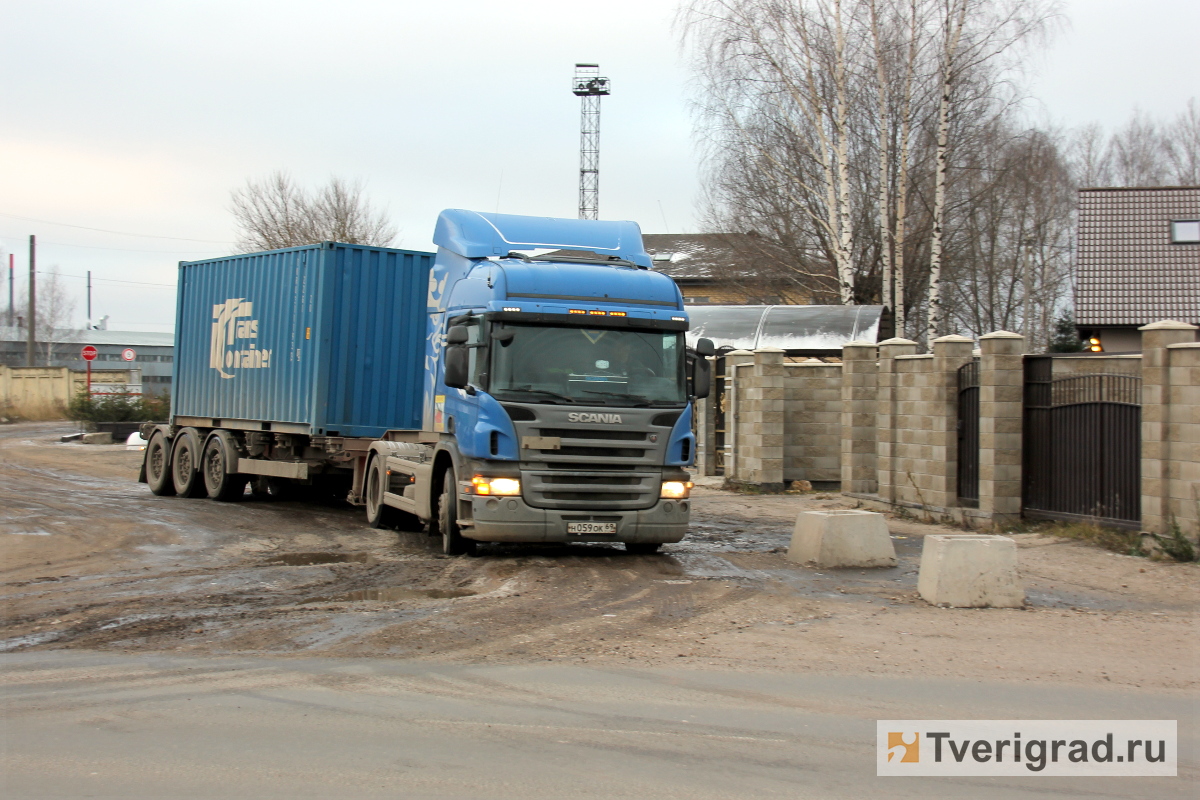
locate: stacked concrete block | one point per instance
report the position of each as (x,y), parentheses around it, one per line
(888,381)
(1170,428)
(842,538)
(859,410)
(760,413)
(970,572)
(812,436)
(1001,414)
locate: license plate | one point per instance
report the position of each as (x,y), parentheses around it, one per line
(591,527)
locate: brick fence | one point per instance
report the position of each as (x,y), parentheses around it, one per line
(883,424)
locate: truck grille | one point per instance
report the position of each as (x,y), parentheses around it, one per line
(617,467)
(584,490)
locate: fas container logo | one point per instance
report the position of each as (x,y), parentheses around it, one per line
(234,344)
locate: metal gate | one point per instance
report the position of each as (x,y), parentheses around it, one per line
(719,415)
(1082,446)
(968,435)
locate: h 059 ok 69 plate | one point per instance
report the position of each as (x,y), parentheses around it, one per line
(591,527)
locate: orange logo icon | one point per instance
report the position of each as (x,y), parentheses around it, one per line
(905,745)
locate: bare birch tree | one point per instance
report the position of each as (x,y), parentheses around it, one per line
(275,212)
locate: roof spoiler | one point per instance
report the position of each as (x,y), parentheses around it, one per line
(476,234)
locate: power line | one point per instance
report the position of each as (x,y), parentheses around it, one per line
(118,233)
(117,249)
(106,280)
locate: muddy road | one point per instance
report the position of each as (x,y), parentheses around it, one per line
(93,561)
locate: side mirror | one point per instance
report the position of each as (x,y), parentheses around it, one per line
(457,335)
(705,348)
(456,366)
(701,376)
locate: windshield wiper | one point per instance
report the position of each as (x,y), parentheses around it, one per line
(547,392)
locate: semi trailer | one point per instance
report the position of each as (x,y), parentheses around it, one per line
(528,382)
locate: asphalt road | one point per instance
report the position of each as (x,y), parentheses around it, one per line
(86,724)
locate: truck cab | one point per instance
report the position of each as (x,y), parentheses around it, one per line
(557,384)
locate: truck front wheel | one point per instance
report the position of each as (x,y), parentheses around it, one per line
(158,465)
(453,543)
(379,515)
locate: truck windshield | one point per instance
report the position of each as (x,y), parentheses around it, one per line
(599,367)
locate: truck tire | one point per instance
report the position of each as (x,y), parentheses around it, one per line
(378,514)
(185,464)
(158,465)
(453,543)
(642,548)
(221,482)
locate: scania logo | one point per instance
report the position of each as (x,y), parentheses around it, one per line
(575,416)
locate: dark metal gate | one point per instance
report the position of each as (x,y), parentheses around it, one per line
(719,415)
(1082,446)
(968,435)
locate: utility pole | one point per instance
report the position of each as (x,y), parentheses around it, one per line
(11,278)
(31,323)
(89,302)
(589,87)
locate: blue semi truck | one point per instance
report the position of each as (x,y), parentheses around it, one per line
(528,382)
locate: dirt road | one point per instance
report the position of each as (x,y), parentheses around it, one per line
(94,561)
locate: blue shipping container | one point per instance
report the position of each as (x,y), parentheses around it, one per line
(330,336)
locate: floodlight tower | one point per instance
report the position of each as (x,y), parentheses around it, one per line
(589,87)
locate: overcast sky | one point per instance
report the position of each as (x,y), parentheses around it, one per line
(138,118)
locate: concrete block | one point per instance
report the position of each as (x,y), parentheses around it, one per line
(847,538)
(103,437)
(971,571)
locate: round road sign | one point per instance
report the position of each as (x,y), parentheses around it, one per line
(129,354)
(89,353)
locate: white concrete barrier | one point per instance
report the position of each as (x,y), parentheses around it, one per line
(843,538)
(970,571)
(102,437)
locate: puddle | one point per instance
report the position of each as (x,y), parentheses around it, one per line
(310,559)
(392,593)
(29,640)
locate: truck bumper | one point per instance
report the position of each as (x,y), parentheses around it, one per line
(511,519)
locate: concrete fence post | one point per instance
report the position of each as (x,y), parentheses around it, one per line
(859,409)
(949,353)
(886,412)
(738,365)
(762,422)
(1162,430)
(1001,422)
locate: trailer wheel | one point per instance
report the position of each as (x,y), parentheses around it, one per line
(379,515)
(185,464)
(158,465)
(642,548)
(453,542)
(222,484)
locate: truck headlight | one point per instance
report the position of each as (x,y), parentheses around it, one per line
(496,487)
(676,490)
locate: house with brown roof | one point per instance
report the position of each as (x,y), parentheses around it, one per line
(1137,262)
(727,269)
